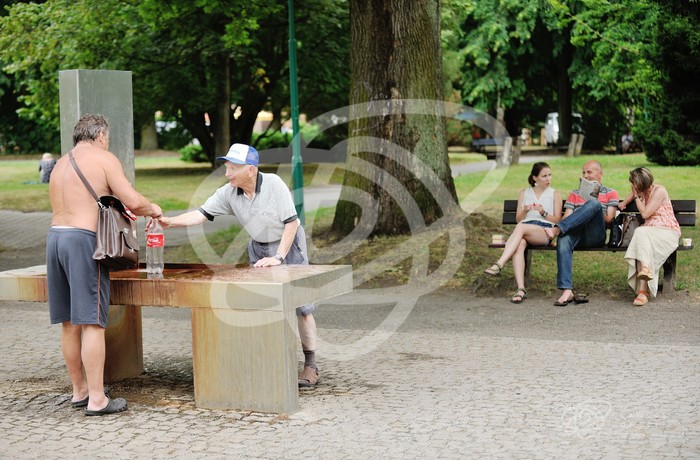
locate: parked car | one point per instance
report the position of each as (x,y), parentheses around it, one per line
(551,126)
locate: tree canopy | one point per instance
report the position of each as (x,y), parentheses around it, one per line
(620,64)
(611,61)
(226,58)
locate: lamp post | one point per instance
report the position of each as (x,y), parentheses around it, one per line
(297,164)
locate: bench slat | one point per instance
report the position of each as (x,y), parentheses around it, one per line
(599,249)
(683,209)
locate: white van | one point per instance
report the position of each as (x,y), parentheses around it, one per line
(551,126)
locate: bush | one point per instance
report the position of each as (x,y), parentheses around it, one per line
(661,139)
(671,133)
(193,153)
(273,140)
(277,139)
(172,135)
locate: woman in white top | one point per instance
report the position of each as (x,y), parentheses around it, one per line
(539,207)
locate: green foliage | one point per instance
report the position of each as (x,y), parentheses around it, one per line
(180,54)
(506,53)
(664,145)
(272,140)
(488,35)
(172,135)
(278,139)
(193,153)
(670,131)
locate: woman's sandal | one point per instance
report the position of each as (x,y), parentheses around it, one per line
(645,274)
(518,297)
(641,299)
(494,269)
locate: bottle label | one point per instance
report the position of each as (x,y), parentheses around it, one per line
(155,240)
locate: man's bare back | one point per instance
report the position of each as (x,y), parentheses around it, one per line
(71,202)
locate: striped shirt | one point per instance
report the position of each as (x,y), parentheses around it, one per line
(607,197)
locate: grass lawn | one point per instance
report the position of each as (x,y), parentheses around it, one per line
(178,185)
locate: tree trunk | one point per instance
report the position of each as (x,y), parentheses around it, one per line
(194,122)
(222,132)
(398,176)
(564,91)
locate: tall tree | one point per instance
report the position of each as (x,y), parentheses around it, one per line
(395,59)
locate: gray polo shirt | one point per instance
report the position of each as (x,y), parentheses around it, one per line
(264,216)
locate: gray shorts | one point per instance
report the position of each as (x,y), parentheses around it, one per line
(78,286)
(297,255)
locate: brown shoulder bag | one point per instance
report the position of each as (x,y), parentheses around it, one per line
(117,244)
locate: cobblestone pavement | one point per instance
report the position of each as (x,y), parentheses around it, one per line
(459,378)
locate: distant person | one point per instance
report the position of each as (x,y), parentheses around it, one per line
(264,207)
(46,165)
(78,286)
(583,225)
(654,240)
(539,207)
(627,142)
(476,133)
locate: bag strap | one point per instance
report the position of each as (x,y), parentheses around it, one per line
(80,174)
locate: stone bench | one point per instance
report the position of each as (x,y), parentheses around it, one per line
(244,326)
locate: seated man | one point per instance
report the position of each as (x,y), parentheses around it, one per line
(583,225)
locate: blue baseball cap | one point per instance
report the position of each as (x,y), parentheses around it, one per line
(241,154)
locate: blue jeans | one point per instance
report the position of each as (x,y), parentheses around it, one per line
(584,228)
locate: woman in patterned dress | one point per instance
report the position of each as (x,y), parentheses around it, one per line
(654,240)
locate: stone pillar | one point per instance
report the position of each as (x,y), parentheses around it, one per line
(109,93)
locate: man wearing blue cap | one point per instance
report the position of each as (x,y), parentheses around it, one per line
(263,205)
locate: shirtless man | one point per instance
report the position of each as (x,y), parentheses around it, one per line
(78,286)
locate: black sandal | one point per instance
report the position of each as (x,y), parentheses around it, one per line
(580,298)
(564,303)
(519,296)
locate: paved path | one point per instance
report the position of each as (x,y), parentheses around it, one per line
(459,378)
(406,373)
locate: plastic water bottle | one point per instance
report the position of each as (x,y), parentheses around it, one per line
(155,243)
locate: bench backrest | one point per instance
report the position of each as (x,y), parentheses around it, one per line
(683,209)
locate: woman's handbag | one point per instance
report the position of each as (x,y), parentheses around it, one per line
(623,228)
(117,244)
